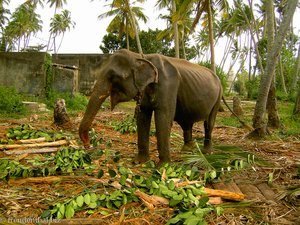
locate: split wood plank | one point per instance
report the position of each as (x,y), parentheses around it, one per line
(266,191)
(31,151)
(252,192)
(30,141)
(35,145)
(53,179)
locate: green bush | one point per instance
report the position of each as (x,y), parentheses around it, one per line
(10,101)
(252,88)
(73,102)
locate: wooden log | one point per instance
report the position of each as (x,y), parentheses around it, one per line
(151,201)
(31,151)
(215,192)
(224,194)
(35,145)
(52,179)
(30,141)
(215,200)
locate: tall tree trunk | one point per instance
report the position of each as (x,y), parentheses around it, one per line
(211,37)
(136,30)
(252,32)
(296,71)
(273,117)
(281,74)
(175,27)
(268,75)
(127,36)
(296,111)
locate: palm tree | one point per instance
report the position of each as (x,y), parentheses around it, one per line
(172,8)
(58,4)
(182,27)
(23,24)
(3,21)
(268,75)
(208,7)
(60,23)
(125,20)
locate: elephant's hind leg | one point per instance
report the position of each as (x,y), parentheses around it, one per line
(208,128)
(189,144)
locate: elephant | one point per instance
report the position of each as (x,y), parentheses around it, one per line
(171,88)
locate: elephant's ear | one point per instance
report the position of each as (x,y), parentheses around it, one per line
(145,73)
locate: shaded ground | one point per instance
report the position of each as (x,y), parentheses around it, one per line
(270,203)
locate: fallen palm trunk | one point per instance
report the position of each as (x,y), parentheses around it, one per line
(151,201)
(52,179)
(225,194)
(35,145)
(235,196)
(31,151)
(30,141)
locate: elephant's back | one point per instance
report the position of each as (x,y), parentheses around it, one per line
(199,91)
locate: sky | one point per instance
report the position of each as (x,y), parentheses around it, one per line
(87,35)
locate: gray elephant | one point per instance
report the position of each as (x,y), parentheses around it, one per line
(174,89)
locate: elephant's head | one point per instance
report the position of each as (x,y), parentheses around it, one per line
(123,76)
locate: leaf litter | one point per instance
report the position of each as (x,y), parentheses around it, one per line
(269,161)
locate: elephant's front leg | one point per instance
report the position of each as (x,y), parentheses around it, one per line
(143,130)
(163,124)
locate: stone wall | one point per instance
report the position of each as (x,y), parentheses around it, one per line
(24,71)
(71,72)
(85,64)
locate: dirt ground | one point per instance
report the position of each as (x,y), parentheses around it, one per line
(270,203)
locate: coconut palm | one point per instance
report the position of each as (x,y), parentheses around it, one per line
(207,7)
(125,19)
(182,28)
(58,4)
(3,20)
(24,22)
(171,5)
(60,23)
(268,75)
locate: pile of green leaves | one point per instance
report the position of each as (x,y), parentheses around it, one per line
(26,131)
(68,161)
(127,125)
(187,200)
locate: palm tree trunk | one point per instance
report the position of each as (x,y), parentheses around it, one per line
(63,34)
(136,30)
(211,37)
(273,118)
(127,36)
(296,111)
(268,75)
(281,74)
(296,71)
(175,27)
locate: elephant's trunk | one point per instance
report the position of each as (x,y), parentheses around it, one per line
(98,96)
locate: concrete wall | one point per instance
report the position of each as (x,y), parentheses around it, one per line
(85,63)
(24,71)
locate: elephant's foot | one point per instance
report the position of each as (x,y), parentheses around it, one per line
(188,147)
(142,158)
(208,149)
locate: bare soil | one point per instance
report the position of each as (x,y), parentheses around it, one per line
(270,202)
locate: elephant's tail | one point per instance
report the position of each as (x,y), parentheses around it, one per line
(233,113)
